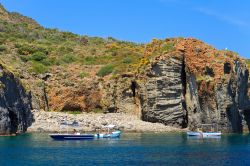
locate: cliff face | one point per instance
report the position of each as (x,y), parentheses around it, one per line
(163,95)
(15,104)
(222,103)
(191,85)
(178,82)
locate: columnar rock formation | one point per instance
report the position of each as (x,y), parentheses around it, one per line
(191,85)
(15,104)
(188,88)
(163,95)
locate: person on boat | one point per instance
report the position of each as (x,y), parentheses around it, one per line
(200,131)
(74,132)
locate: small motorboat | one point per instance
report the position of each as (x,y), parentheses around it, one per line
(205,134)
(109,133)
(76,136)
(114,134)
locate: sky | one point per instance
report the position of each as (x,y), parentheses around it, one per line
(224,24)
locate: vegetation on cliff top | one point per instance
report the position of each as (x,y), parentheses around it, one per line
(27,45)
(77,61)
(23,41)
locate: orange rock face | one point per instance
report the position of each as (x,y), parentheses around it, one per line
(200,57)
(68,91)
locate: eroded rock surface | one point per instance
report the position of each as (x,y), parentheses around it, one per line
(163,95)
(191,85)
(15,104)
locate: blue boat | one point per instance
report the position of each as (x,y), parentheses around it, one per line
(77,136)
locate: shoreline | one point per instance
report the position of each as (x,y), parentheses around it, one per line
(90,122)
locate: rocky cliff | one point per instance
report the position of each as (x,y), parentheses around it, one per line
(190,85)
(178,82)
(15,104)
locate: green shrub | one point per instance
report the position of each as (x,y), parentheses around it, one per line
(97,110)
(83,74)
(65,50)
(2,48)
(89,60)
(24,49)
(92,51)
(127,60)
(47,62)
(38,56)
(39,68)
(68,58)
(73,112)
(96,40)
(30,49)
(24,58)
(167,47)
(105,70)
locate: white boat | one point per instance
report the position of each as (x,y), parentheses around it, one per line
(203,134)
(114,134)
(109,133)
(207,134)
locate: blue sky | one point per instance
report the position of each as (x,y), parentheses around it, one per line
(221,23)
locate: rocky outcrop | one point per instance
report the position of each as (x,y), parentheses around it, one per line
(163,95)
(222,103)
(190,85)
(120,95)
(15,104)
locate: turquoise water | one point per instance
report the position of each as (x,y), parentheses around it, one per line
(130,149)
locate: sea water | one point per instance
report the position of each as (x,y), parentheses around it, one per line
(130,149)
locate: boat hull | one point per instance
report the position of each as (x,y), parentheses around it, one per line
(203,134)
(72,136)
(114,134)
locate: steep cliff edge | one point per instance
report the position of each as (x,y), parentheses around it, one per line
(186,83)
(15,104)
(216,87)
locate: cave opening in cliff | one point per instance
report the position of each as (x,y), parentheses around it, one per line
(70,107)
(184,88)
(227,68)
(209,71)
(13,122)
(247,118)
(133,87)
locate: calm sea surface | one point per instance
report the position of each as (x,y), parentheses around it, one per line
(130,149)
